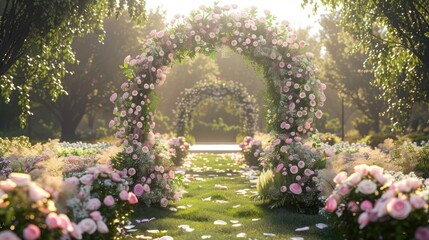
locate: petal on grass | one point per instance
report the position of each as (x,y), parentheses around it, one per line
(220,222)
(302,229)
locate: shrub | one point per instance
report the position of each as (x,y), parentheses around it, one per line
(251,150)
(179,150)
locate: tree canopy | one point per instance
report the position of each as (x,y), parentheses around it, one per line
(36,39)
(395,35)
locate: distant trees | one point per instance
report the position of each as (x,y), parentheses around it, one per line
(36,39)
(342,68)
(395,36)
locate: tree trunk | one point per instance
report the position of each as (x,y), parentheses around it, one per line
(376,123)
(68,129)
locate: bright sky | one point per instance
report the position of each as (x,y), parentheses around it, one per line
(289,10)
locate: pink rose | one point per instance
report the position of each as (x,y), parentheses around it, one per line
(36,193)
(340,177)
(328,152)
(87,225)
(293,169)
(109,200)
(164,202)
(417,202)
(398,208)
(352,207)
(8,235)
(146,188)
(75,232)
(362,169)
(116,177)
(422,233)
(7,185)
(64,221)
(93,204)
(72,181)
(171,174)
(301,164)
(31,232)
(375,170)
(366,187)
(331,204)
(414,182)
(96,215)
(138,189)
(123,195)
(363,220)
(280,167)
(283,189)
(380,178)
(344,190)
(87,179)
(295,188)
(94,171)
(131,171)
(380,207)
(354,178)
(20,179)
(132,199)
(113,97)
(366,205)
(102,227)
(403,185)
(52,220)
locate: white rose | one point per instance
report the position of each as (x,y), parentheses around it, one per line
(366,187)
(87,225)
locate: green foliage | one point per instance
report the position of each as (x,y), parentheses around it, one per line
(36,41)
(394,36)
(17,142)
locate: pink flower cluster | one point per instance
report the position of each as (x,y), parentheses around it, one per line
(178,149)
(38,201)
(377,197)
(252,150)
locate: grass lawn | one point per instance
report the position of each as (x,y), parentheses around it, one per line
(206,202)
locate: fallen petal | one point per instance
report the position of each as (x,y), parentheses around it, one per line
(269,234)
(321,225)
(302,229)
(241,235)
(220,222)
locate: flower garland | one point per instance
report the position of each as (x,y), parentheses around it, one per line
(217,90)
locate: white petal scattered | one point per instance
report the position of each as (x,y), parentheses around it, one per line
(143,237)
(129,226)
(221,187)
(152,231)
(255,219)
(166,238)
(183,226)
(236,225)
(145,220)
(321,225)
(236,206)
(206,236)
(131,230)
(207,199)
(221,201)
(186,228)
(302,229)
(173,209)
(181,207)
(220,222)
(242,235)
(269,234)
(200,179)
(189,205)
(296,238)
(234,221)
(189,229)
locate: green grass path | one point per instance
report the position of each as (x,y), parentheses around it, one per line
(206,202)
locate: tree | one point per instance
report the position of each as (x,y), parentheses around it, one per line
(395,36)
(36,39)
(97,74)
(343,69)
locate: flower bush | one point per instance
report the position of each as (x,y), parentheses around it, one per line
(218,90)
(28,212)
(5,168)
(251,150)
(102,203)
(295,169)
(179,150)
(373,204)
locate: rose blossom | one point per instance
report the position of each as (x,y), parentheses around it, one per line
(146,188)
(75,232)
(340,177)
(87,179)
(132,199)
(293,169)
(362,169)
(131,171)
(164,202)
(7,185)
(102,227)
(301,164)
(280,167)
(96,215)
(31,232)
(93,204)
(403,185)
(72,181)
(366,205)
(36,193)
(366,187)
(20,179)
(295,188)
(138,189)
(87,225)
(344,190)
(417,202)
(422,233)
(64,222)
(375,170)
(352,207)
(363,220)
(283,189)
(8,235)
(398,208)
(52,220)
(109,200)
(331,204)
(354,178)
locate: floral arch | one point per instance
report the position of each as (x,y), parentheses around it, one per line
(217,90)
(293,93)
